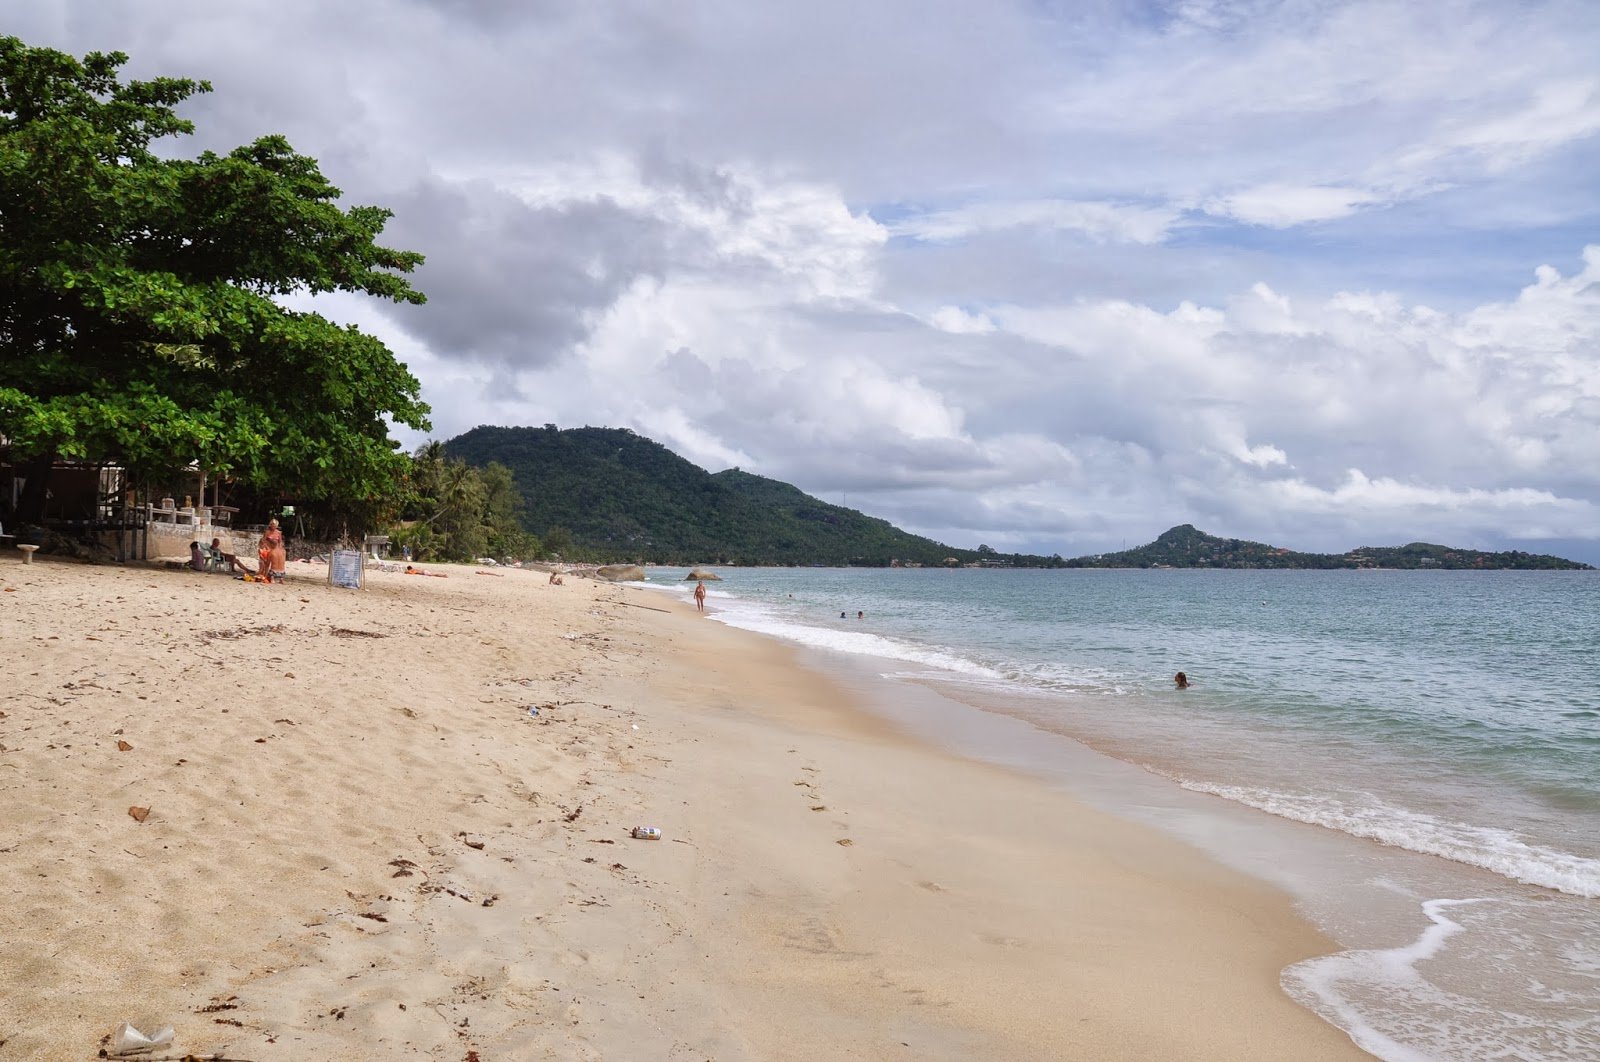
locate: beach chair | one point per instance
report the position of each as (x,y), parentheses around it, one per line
(215,561)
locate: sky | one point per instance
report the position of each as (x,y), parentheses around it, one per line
(1046,276)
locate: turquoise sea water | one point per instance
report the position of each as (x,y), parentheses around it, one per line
(1437,732)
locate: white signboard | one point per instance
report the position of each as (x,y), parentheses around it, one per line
(344,569)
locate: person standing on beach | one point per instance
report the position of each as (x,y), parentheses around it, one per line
(700,595)
(274,558)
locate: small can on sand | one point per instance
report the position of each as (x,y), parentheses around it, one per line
(647,833)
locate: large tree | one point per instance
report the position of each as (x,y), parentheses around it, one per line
(139,320)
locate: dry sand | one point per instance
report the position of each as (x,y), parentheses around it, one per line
(361,845)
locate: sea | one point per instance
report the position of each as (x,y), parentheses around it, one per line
(1413,756)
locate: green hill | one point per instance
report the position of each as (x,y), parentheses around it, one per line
(623,497)
(1185,546)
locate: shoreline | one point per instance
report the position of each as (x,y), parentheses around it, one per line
(1439,947)
(361,844)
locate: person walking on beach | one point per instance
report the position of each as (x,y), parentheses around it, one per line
(700,595)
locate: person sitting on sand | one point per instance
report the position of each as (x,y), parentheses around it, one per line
(230,559)
(197,557)
(1181,681)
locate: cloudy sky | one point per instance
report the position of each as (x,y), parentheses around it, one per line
(1051,276)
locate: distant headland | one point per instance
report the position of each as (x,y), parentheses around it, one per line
(608,494)
(1185,546)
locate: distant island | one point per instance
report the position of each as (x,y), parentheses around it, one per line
(608,494)
(1185,546)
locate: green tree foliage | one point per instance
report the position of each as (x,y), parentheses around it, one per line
(138,321)
(457,512)
(448,499)
(502,514)
(558,541)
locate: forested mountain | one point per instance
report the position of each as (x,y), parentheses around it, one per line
(1185,546)
(619,496)
(606,494)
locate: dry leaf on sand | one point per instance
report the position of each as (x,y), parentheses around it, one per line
(139,814)
(123,746)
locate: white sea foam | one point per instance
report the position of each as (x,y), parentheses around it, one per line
(1337,986)
(1014,682)
(754,616)
(858,642)
(1410,1003)
(1496,850)
(1078,678)
(680,589)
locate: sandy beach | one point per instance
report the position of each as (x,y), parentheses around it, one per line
(298,822)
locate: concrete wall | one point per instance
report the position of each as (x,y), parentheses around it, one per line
(172,540)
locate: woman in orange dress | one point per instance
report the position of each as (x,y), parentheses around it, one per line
(273,556)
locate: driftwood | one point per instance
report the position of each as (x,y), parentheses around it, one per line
(182,1058)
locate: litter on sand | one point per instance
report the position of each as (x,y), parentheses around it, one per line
(128,1042)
